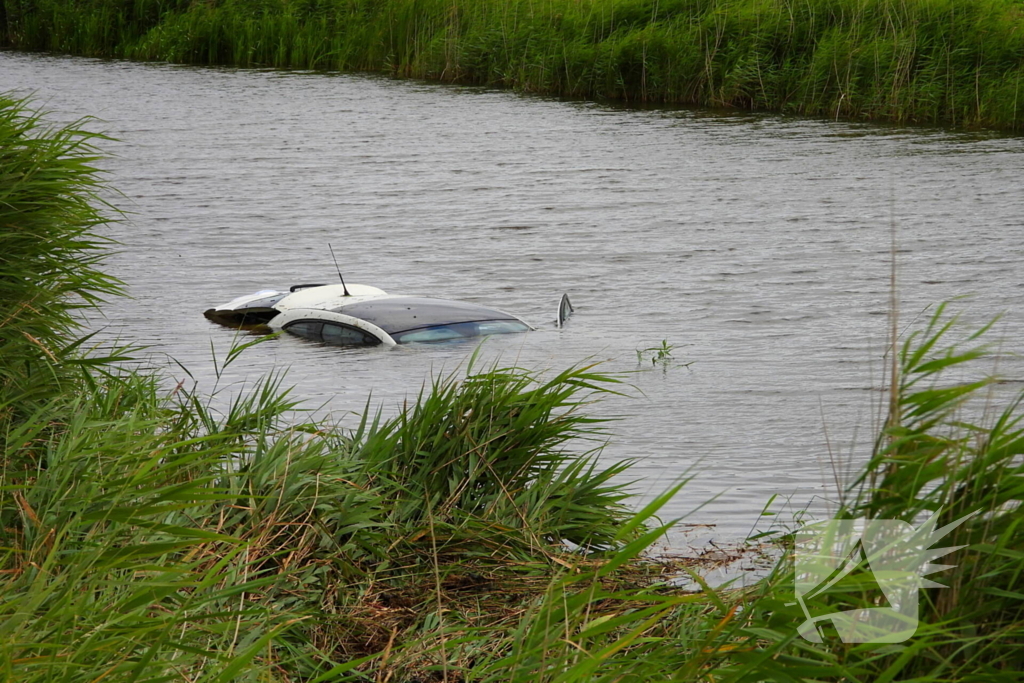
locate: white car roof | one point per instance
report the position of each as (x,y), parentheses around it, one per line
(328,297)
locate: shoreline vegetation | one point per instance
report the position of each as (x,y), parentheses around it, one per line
(946,62)
(475,537)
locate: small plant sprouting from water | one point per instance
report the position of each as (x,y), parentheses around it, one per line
(660,355)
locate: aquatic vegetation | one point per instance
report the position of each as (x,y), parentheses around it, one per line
(146,536)
(657,355)
(955,62)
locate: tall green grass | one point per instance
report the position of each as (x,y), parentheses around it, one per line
(945,451)
(949,451)
(50,255)
(957,62)
(145,536)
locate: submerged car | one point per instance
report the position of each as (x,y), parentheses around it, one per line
(368,316)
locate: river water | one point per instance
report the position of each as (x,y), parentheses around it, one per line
(759,246)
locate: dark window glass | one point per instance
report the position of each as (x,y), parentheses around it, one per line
(309,329)
(343,335)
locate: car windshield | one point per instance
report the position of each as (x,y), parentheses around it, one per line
(480,328)
(396,315)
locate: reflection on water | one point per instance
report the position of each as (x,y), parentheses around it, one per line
(759,246)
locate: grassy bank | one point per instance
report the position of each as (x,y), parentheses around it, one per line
(957,62)
(145,536)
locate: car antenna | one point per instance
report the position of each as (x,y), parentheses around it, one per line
(343,287)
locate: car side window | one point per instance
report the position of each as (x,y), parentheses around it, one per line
(309,329)
(343,335)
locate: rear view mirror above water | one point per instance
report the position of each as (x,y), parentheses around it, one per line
(565,310)
(361,315)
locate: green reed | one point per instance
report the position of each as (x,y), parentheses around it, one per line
(955,62)
(935,457)
(50,258)
(945,449)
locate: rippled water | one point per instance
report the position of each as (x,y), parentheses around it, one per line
(758,245)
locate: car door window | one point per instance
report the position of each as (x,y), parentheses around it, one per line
(309,329)
(343,335)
